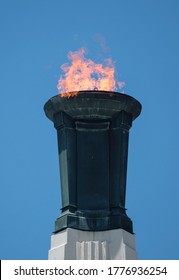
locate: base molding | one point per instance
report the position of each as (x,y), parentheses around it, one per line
(73,244)
(99,221)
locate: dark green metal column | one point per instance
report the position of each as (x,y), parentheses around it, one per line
(93,166)
(66,134)
(119,138)
(93,133)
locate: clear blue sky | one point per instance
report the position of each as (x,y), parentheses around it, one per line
(143,41)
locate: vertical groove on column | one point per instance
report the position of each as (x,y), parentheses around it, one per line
(92,250)
(105,250)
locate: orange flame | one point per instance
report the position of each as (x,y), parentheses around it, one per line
(84,74)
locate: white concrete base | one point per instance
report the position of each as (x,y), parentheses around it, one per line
(72,244)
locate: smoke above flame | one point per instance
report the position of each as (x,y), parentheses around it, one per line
(85,74)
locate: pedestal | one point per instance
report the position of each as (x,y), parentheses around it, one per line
(72,244)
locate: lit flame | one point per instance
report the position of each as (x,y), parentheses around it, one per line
(84,74)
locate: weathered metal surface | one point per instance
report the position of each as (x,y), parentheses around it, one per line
(93,104)
(93,131)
